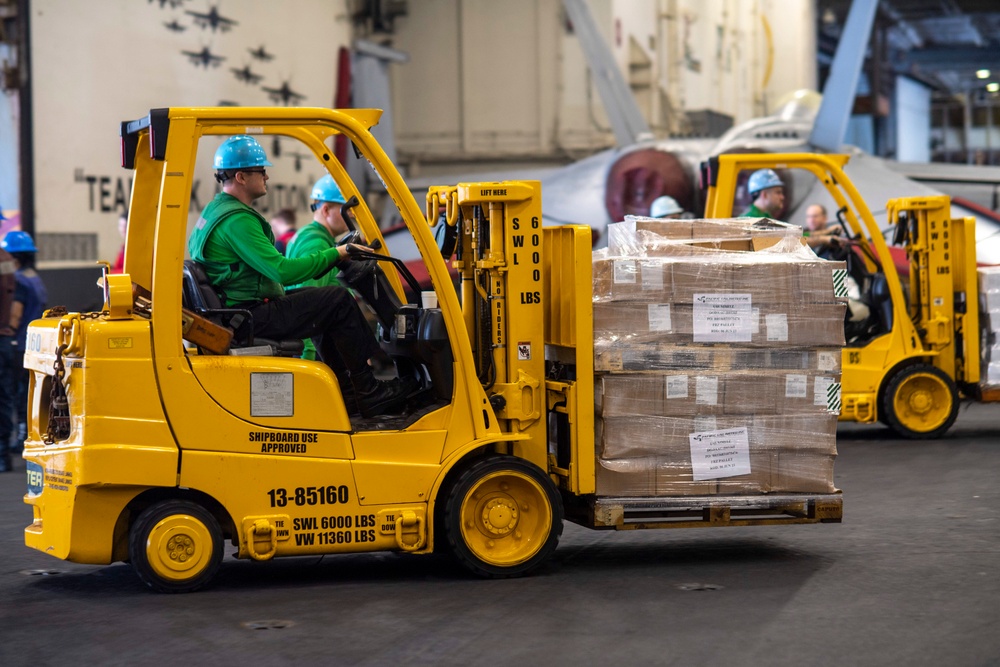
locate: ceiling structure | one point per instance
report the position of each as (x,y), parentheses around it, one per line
(942,43)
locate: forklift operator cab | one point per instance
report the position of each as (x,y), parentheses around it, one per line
(413,337)
(906,362)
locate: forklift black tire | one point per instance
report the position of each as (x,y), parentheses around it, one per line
(175,546)
(920,402)
(502,517)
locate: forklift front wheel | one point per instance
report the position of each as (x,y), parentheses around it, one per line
(920,402)
(175,546)
(503,517)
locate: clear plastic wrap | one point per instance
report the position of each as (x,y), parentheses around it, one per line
(717,348)
(989,324)
(663,456)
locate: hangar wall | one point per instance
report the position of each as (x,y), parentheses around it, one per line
(129,59)
(508,81)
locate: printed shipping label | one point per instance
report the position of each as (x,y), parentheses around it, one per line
(823,387)
(777,326)
(706,390)
(677,386)
(796,386)
(827,361)
(659,317)
(652,276)
(624,271)
(723,318)
(717,454)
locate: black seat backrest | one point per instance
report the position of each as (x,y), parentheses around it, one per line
(881,300)
(200,296)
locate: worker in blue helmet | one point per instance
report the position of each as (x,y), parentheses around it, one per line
(768,192)
(665,207)
(28,303)
(235,245)
(326,229)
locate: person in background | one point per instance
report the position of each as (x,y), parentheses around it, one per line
(119,266)
(283,225)
(325,231)
(235,245)
(30,297)
(768,192)
(823,239)
(8,371)
(665,207)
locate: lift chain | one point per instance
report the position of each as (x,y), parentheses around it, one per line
(59,422)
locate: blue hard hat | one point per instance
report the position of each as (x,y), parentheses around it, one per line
(240,152)
(326,189)
(18,242)
(762,179)
(664,206)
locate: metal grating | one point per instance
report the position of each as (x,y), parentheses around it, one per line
(66,246)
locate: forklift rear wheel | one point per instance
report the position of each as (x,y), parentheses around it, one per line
(175,546)
(503,517)
(920,402)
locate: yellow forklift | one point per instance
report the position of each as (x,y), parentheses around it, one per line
(907,364)
(158,431)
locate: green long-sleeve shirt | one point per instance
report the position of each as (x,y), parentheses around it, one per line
(236,246)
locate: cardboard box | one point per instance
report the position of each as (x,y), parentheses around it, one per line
(802,472)
(751,392)
(631,478)
(624,237)
(821,281)
(631,394)
(637,280)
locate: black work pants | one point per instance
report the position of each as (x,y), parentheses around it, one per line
(330,316)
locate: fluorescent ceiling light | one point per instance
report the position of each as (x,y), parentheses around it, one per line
(993,87)
(982,74)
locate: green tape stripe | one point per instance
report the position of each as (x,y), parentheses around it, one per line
(840,282)
(833,397)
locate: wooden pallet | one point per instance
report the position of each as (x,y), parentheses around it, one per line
(764,510)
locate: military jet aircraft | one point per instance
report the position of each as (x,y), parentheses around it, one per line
(283,94)
(212,19)
(174,26)
(205,58)
(246,75)
(261,53)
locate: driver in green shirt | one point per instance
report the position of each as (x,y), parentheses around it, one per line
(235,244)
(768,192)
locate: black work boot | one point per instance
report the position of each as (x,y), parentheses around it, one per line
(350,396)
(377,397)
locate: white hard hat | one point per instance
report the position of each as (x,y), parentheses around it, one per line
(664,206)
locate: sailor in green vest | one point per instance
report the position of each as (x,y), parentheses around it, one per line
(768,192)
(325,230)
(235,244)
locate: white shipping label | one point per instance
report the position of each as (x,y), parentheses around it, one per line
(755,321)
(659,317)
(777,326)
(823,387)
(271,395)
(796,386)
(652,275)
(677,386)
(717,454)
(722,318)
(706,390)
(624,271)
(827,361)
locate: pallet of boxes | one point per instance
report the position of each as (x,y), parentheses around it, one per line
(717,353)
(989,323)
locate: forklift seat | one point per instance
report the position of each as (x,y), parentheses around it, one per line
(199,295)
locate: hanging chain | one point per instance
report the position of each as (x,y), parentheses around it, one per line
(59,422)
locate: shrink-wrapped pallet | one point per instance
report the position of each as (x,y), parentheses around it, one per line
(717,352)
